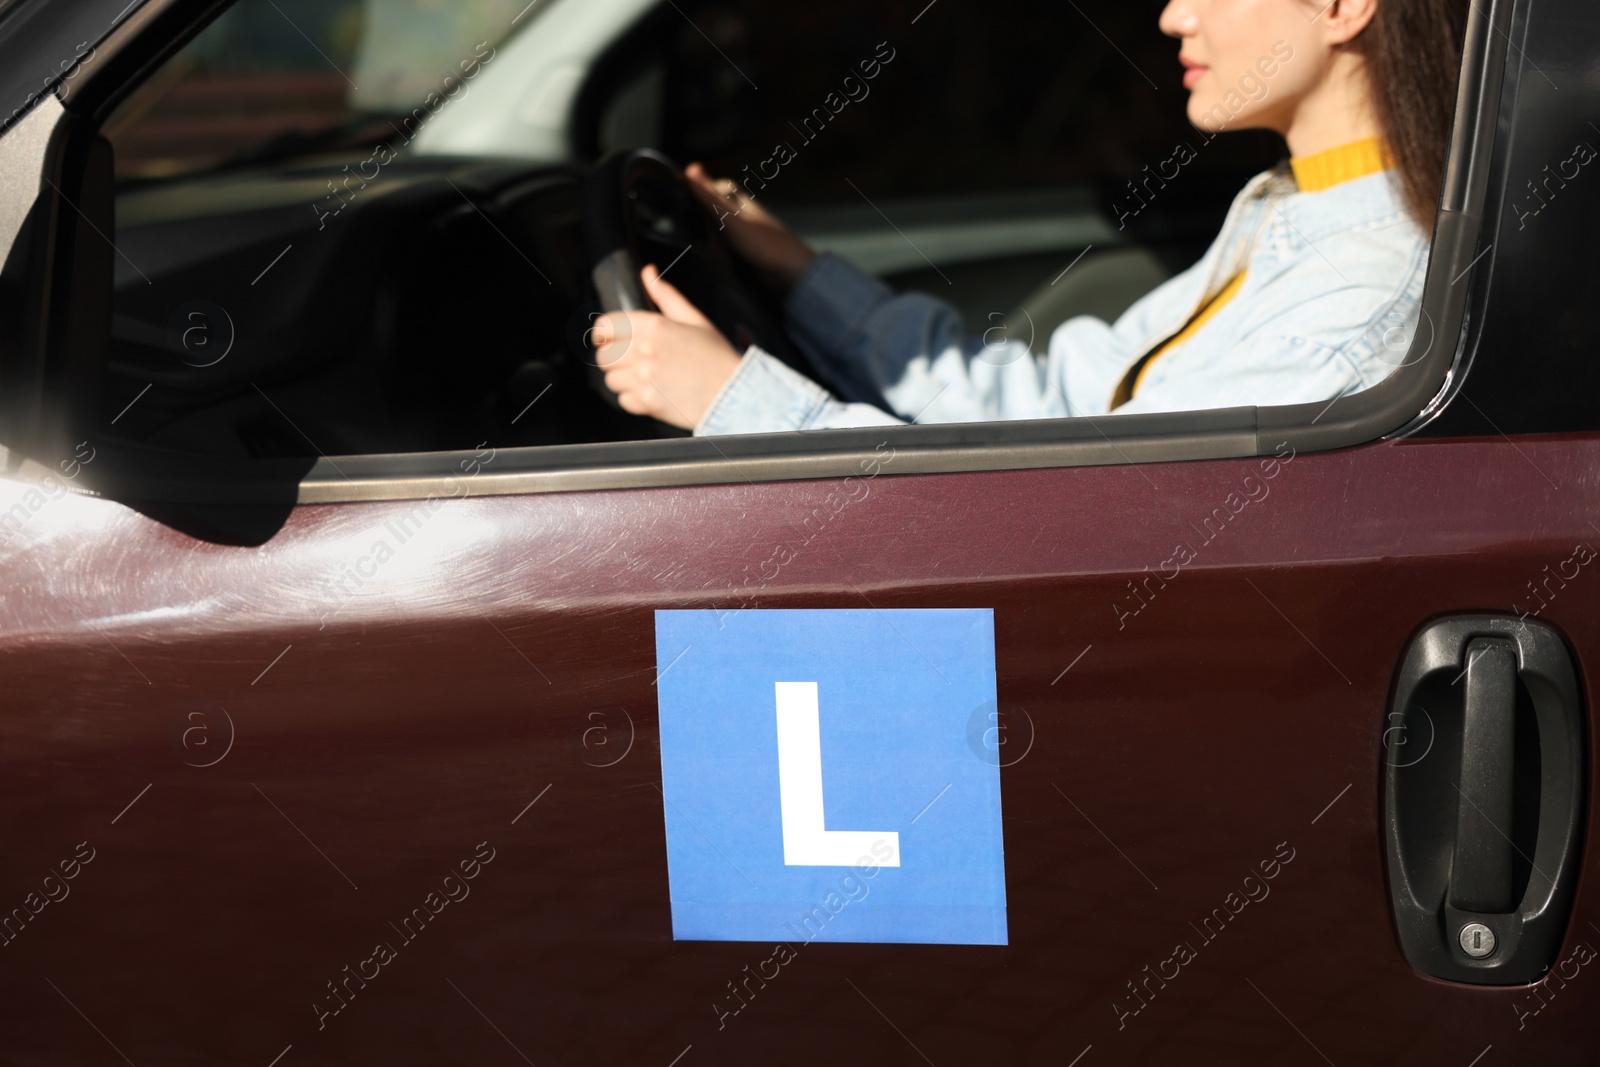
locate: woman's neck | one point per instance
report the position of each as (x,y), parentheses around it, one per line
(1340,110)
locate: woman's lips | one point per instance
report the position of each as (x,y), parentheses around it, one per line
(1192,74)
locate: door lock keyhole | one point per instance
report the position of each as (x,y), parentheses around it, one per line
(1477,940)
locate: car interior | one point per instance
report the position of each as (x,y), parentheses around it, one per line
(301,273)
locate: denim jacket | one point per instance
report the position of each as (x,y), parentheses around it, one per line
(1329,305)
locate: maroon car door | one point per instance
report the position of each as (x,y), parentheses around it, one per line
(225,809)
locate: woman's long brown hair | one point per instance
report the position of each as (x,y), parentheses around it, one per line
(1413,53)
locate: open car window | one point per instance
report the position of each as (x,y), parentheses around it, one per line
(319,286)
(302,277)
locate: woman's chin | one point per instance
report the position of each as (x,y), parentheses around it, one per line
(1202,112)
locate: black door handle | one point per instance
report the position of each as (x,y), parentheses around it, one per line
(1482,798)
(1480,870)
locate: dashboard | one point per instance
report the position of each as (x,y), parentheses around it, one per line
(317,308)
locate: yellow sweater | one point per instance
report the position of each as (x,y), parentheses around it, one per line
(1312,174)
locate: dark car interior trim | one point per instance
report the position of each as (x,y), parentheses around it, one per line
(60,44)
(147,477)
(1538,315)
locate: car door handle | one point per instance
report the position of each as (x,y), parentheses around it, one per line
(1483,752)
(1480,869)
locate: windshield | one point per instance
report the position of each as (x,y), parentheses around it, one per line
(282,77)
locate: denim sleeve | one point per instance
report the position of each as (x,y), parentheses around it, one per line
(908,352)
(829,302)
(766,396)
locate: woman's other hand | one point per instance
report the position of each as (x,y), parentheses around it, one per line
(776,253)
(670,365)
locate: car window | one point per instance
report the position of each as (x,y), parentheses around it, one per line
(283,290)
(273,77)
(323,295)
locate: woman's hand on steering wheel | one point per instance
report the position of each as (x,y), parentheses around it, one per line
(670,365)
(766,243)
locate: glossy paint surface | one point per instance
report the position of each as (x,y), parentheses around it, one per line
(276,754)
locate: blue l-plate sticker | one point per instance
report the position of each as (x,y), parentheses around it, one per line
(819,779)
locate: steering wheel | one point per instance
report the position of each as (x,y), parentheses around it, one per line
(638,209)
